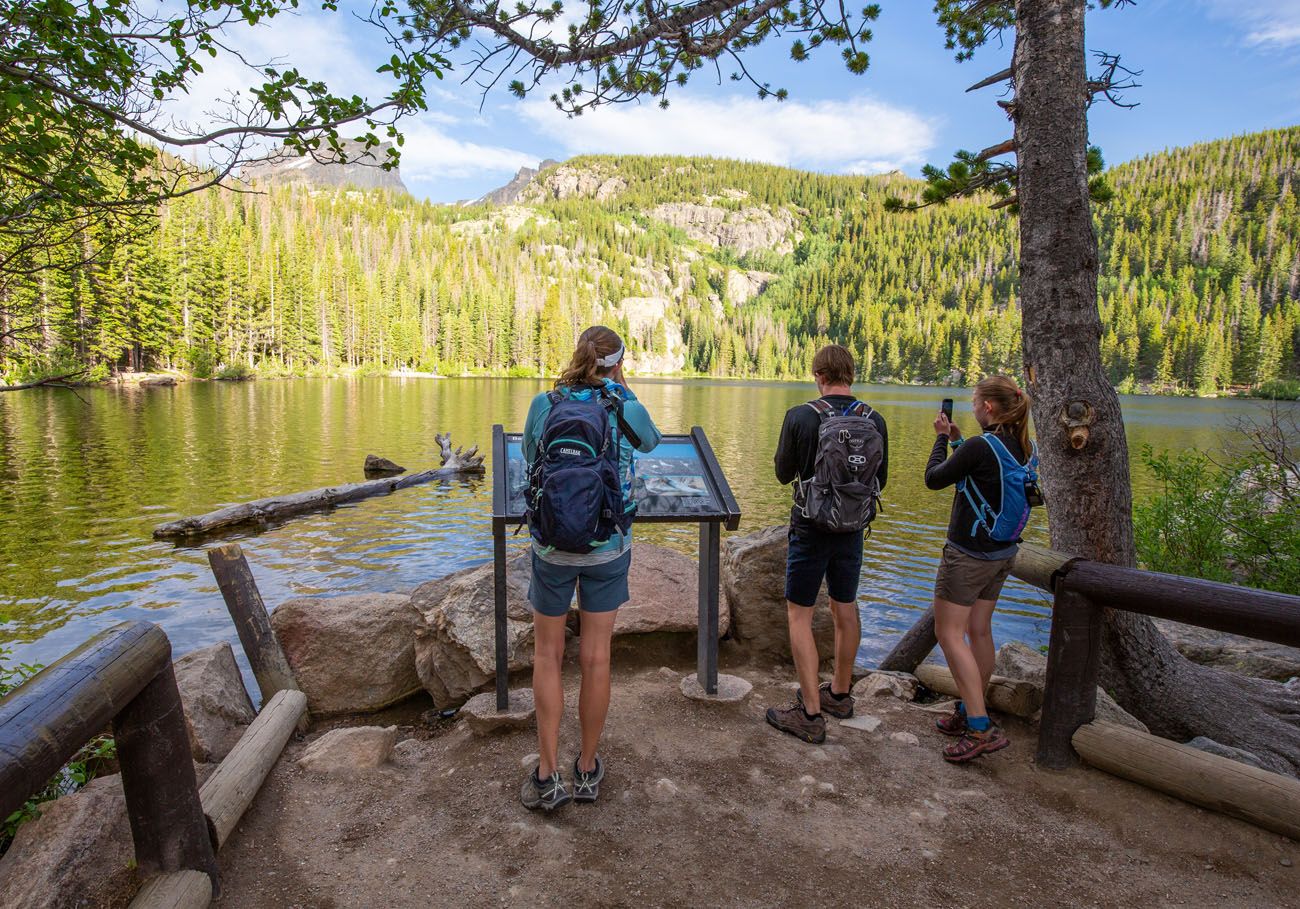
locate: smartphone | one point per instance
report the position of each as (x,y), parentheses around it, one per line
(946,407)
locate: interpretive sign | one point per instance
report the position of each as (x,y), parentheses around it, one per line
(680,481)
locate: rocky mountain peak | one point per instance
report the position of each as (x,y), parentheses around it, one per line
(361,171)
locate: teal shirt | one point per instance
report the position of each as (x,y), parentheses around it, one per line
(638,418)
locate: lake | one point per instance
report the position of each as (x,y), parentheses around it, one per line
(85,481)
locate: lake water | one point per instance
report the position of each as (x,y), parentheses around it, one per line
(85,483)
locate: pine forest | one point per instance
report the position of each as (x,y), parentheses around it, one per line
(709,267)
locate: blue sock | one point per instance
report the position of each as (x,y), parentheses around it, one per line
(961,708)
(978,723)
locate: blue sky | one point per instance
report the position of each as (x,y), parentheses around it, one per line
(1211,68)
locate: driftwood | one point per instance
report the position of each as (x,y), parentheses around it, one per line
(263,511)
(52,381)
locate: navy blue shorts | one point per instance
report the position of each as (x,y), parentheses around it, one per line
(601,588)
(814,555)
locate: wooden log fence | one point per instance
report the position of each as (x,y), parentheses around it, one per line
(124,676)
(1068,729)
(276,508)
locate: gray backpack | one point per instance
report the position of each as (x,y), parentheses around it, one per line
(843,493)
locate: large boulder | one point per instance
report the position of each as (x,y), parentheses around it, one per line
(77,853)
(753,583)
(455,647)
(664,585)
(455,643)
(1229,651)
(350,654)
(1020,661)
(217,706)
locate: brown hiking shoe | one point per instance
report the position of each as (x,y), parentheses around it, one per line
(794,721)
(839,706)
(952,724)
(972,744)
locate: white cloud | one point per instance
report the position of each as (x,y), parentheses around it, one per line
(856,135)
(1267,23)
(429,154)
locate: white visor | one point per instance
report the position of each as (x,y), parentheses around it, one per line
(613,359)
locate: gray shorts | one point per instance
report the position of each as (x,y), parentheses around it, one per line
(601,588)
(963,579)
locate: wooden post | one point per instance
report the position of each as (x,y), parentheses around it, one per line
(914,646)
(228,792)
(240,592)
(1070,695)
(1268,800)
(47,720)
(499,616)
(162,793)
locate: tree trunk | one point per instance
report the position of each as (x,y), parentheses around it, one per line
(1077,417)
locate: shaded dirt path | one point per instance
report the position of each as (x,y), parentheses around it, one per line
(704,805)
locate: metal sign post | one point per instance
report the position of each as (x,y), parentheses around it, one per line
(679,482)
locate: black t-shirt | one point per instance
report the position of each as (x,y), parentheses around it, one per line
(796,450)
(973,460)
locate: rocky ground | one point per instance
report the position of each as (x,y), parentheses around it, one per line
(704,804)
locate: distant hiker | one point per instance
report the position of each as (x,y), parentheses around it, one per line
(578,442)
(836,452)
(996,478)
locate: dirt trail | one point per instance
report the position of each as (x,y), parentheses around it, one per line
(705,805)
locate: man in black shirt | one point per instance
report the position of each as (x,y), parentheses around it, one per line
(815,555)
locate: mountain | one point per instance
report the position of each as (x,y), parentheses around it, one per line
(705,266)
(509,193)
(361,171)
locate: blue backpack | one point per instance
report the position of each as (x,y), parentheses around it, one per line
(1019,483)
(575,495)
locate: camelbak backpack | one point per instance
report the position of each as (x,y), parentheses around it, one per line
(1017,480)
(575,495)
(843,492)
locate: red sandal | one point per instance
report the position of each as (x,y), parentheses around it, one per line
(952,724)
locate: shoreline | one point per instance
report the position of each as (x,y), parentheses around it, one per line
(170,378)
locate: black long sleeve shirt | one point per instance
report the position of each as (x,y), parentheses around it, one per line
(974,461)
(796,449)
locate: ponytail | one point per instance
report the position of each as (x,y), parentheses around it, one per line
(584,367)
(1011,406)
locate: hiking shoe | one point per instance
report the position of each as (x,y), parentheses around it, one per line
(547,794)
(839,706)
(952,724)
(586,784)
(794,721)
(972,744)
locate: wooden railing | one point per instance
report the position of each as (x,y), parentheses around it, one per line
(122,676)
(1081,589)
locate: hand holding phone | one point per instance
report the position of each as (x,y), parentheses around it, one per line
(946,407)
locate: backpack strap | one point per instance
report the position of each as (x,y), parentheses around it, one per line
(614,404)
(554,397)
(823,408)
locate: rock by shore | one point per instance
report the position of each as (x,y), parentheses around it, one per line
(217,706)
(1229,651)
(753,585)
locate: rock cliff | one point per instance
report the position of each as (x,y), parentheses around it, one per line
(361,171)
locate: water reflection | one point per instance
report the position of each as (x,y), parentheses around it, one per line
(85,483)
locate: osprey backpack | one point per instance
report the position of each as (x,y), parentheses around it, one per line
(843,493)
(575,496)
(1019,483)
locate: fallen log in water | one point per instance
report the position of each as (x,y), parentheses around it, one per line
(262,511)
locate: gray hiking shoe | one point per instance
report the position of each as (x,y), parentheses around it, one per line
(794,721)
(839,706)
(586,785)
(547,794)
